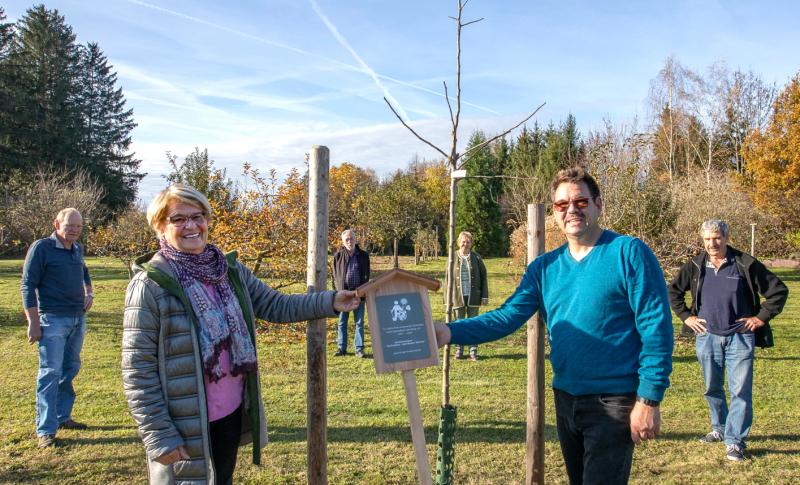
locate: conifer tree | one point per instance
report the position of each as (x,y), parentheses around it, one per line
(61,109)
(477,202)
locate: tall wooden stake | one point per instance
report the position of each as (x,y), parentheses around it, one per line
(534,452)
(417,429)
(316,269)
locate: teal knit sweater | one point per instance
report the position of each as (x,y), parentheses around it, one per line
(608,318)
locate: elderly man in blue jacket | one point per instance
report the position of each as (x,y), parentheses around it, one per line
(604,300)
(56,294)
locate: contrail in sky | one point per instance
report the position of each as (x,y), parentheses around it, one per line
(220,27)
(375,76)
(358,59)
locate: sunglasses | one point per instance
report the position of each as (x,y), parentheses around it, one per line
(563,205)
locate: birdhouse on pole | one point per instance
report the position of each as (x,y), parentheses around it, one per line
(403,339)
(400,320)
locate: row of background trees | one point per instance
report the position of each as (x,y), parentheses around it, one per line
(720,143)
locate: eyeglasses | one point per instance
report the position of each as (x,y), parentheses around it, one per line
(563,205)
(181,220)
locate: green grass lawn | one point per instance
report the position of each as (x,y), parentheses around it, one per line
(369,438)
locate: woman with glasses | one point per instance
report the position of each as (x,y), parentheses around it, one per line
(189,363)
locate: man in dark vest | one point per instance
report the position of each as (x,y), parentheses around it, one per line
(729,320)
(350,270)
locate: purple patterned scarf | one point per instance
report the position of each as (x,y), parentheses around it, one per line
(204,279)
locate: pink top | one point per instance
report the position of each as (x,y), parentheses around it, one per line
(225,395)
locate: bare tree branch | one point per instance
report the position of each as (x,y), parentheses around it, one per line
(500,177)
(481,145)
(449,106)
(453,158)
(472,21)
(414,132)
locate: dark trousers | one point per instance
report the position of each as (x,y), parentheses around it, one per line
(225,434)
(595,435)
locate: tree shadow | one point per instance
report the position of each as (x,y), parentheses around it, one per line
(12,318)
(490,432)
(775,437)
(766,451)
(66,441)
(505,357)
(684,359)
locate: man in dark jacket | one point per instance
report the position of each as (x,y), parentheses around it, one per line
(350,270)
(729,320)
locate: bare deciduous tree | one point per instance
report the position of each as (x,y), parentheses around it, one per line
(27,210)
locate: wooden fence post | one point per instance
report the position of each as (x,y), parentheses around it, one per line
(316,269)
(534,452)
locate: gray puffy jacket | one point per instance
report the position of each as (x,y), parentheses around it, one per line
(162,372)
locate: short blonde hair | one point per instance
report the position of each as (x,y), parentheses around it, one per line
(465,234)
(157,210)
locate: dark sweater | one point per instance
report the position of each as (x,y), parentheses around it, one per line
(53,277)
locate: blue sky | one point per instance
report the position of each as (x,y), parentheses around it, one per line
(263,81)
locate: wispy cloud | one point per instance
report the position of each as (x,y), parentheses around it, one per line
(377,77)
(343,42)
(256,38)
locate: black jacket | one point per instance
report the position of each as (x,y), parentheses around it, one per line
(340,260)
(760,280)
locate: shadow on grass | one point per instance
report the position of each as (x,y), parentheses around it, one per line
(98,441)
(775,437)
(684,358)
(766,451)
(522,356)
(48,465)
(12,318)
(492,432)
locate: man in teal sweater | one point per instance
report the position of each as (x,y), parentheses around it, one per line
(604,300)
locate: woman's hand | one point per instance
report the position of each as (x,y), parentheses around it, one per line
(346,301)
(171,457)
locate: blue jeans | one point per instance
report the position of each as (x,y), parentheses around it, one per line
(358,339)
(734,353)
(59,363)
(595,436)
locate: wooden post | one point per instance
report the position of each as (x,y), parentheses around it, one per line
(753,240)
(534,452)
(317,381)
(417,430)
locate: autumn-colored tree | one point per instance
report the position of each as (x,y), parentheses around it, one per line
(349,185)
(267,225)
(772,159)
(126,238)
